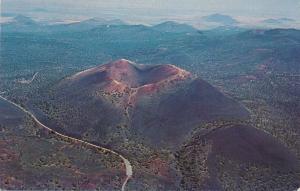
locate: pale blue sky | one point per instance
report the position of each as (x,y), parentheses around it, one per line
(253,8)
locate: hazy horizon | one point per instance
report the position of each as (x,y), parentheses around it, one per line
(152,10)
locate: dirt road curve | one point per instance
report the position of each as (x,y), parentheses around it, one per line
(128,166)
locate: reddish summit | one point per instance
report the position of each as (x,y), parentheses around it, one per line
(129,74)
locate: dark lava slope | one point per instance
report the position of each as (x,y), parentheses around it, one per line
(159,103)
(238,157)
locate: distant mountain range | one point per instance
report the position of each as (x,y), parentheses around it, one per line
(23,20)
(220,19)
(21,23)
(174,27)
(85,25)
(278,23)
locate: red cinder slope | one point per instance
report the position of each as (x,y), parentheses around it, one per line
(161,103)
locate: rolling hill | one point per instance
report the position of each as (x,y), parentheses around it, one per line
(237,157)
(220,19)
(174,27)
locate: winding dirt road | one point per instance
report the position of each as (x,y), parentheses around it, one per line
(128,166)
(29,81)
